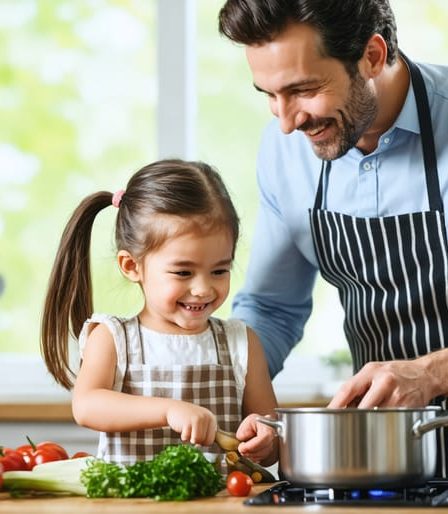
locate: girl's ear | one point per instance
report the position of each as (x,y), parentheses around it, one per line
(128,266)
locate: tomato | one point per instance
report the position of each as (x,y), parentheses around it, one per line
(12,460)
(48,445)
(79,455)
(239,484)
(1,476)
(46,451)
(46,454)
(27,453)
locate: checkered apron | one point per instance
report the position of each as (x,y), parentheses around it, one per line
(212,386)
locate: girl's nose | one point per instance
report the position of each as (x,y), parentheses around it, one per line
(200,287)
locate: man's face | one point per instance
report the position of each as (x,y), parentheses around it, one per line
(312,93)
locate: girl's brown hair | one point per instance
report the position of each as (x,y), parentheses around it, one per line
(190,190)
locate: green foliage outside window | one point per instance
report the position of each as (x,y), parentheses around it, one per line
(77,110)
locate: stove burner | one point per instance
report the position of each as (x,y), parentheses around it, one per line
(432,494)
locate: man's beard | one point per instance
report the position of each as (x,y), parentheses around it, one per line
(358,114)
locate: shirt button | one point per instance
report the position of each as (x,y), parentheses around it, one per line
(367,166)
(386,140)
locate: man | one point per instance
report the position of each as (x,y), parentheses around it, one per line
(353,177)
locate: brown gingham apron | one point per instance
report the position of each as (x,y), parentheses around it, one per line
(391,272)
(212,386)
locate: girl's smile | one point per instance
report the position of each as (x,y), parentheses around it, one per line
(185,280)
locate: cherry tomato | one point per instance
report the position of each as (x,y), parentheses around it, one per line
(79,455)
(12,460)
(239,484)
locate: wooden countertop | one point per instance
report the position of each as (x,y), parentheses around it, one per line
(63,412)
(36,412)
(220,504)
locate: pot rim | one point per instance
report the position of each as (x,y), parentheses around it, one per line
(350,410)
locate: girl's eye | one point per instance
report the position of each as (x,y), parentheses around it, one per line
(221,271)
(181,273)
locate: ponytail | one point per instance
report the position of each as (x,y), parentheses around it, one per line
(69,301)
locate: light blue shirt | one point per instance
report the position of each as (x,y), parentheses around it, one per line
(276,299)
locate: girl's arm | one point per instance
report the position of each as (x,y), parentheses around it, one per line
(260,441)
(97,406)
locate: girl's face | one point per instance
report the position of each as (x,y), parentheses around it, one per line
(185,280)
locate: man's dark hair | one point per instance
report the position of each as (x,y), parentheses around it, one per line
(344,25)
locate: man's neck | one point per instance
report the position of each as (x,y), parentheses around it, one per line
(391,90)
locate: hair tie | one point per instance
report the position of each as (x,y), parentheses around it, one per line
(116,198)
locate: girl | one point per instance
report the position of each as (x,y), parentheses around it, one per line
(171,373)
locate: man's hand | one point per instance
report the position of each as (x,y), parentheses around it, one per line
(406,383)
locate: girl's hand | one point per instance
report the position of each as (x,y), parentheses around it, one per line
(260,441)
(194,423)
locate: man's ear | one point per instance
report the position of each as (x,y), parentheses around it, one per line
(374,58)
(128,266)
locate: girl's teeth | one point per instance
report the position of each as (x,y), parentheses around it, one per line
(194,307)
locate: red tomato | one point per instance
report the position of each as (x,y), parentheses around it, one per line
(46,451)
(1,476)
(48,445)
(42,455)
(27,451)
(78,455)
(239,484)
(11,460)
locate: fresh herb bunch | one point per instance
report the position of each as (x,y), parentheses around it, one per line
(104,479)
(179,472)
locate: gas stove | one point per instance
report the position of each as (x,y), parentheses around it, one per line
(432,494)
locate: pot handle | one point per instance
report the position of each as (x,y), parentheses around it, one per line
(421,428)
(276,425)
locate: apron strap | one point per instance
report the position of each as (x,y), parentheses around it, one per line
(221,344)
(427,137)
(426,133)
(324,173)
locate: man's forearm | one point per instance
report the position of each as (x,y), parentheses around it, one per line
(436,366)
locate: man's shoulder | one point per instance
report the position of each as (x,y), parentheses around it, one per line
(436,77)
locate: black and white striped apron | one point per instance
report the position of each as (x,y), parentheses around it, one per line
(391,272)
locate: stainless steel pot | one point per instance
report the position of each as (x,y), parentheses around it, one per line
(357,447)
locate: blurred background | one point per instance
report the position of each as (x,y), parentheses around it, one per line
(92,90)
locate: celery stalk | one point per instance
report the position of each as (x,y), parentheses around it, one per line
(53,477)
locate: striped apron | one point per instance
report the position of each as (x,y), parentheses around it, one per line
(391,272)
(212,386)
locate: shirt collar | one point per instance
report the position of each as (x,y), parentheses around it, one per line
(408,117)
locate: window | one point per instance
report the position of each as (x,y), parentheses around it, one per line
(78,103)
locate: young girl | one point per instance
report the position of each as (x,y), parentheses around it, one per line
(171,373)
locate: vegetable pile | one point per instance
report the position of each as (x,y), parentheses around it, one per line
(177,473)
(27,456)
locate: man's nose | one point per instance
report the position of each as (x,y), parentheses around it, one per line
(290,115)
